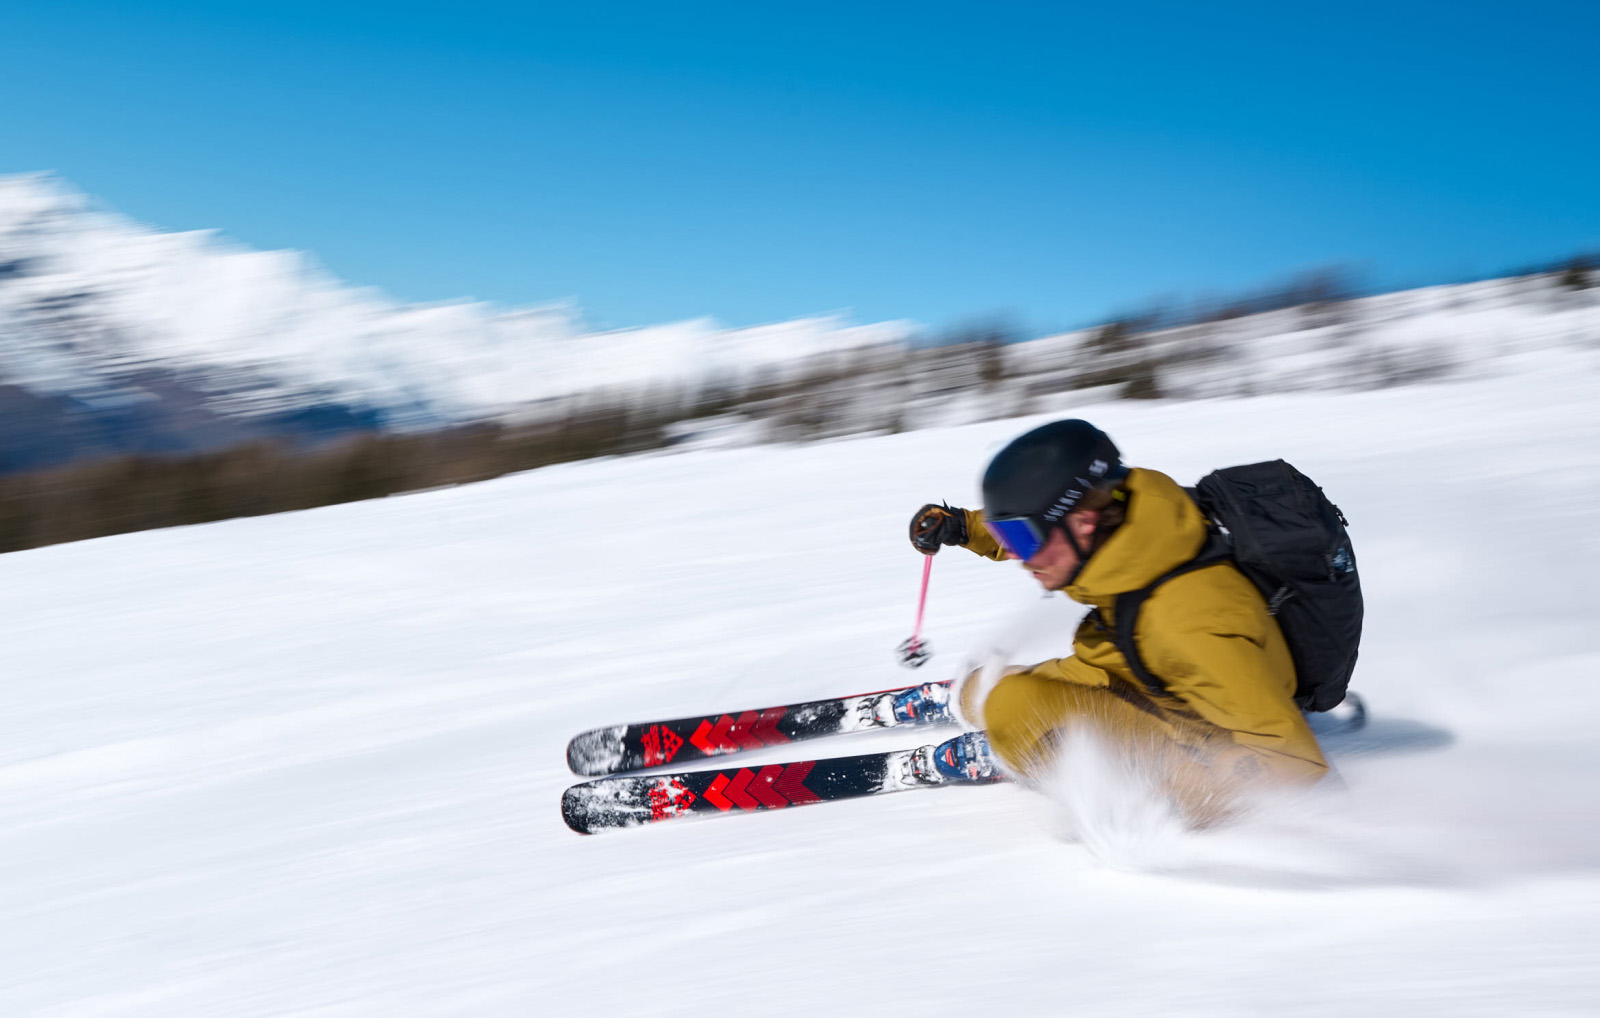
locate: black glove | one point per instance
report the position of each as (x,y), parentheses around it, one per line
(934,525)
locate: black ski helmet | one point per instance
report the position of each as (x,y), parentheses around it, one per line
(1045,473)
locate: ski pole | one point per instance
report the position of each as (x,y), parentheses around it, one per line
(914,653)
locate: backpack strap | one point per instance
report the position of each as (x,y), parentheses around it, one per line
(1216,549)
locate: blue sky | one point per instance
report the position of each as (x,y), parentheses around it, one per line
(1050,163)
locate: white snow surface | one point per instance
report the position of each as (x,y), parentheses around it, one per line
(310,764)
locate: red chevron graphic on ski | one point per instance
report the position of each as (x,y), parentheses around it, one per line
(731,733)
(720,737)
(714,740)
(714,796)
(740,731)
(737,789)
(791,784)
(762,788)
(766,728)
(698,739)
(774,786)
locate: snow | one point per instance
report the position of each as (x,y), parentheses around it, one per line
(273,319)
(310,764)
(87,297)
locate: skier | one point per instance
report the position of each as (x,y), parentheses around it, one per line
(1060,500)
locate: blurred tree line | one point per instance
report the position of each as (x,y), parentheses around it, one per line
(971,373)
(142,492)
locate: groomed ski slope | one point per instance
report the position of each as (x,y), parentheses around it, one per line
(310,764)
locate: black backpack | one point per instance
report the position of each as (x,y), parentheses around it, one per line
(1281,531)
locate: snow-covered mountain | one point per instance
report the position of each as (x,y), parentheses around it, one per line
(170,339)
(1461,331)
(118,338)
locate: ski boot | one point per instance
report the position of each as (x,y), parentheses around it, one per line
(920,705)
(966,757)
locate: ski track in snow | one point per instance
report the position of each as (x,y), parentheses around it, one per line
(310,764)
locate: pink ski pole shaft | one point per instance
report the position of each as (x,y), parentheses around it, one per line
(914,653)
(922,602)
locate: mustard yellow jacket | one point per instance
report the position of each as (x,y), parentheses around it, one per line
(1206,634)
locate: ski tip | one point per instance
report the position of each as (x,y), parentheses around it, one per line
(598,751)
(612,803)
(607,804)
(574,811)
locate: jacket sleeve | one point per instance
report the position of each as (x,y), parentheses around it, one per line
(979,540)
(1225,658)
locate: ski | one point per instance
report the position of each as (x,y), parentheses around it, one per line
(634,800)
(621,748)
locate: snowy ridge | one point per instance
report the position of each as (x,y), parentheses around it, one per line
(1459,331)
(116,338)
(87,297)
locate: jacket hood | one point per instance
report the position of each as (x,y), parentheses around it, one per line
(1163,530)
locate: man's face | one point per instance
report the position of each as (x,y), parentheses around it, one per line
(1056,560)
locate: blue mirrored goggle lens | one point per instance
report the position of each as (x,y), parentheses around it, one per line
(1018,536)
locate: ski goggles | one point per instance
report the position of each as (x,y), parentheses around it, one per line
(1018,535)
